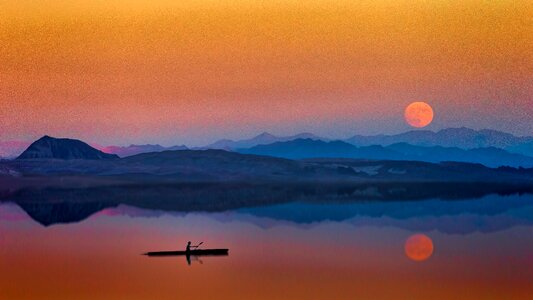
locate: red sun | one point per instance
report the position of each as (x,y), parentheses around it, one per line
(418,114)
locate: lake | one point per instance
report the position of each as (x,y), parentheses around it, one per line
(480,248)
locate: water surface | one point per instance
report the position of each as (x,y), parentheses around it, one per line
(480,249)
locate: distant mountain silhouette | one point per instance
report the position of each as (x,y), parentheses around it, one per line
(262,139)
(66,149)
(464,138)
(138,149)
(307,148)
(224,166)
(395,162)
(489,156)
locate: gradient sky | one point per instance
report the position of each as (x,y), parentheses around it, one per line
(173,72)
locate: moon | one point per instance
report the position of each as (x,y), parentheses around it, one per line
(418,114)
(418,247)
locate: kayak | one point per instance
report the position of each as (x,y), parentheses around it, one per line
(203,252)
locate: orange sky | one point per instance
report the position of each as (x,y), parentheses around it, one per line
(117,71)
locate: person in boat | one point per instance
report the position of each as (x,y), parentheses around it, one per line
(188,248)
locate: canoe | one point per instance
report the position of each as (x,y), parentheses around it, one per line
(199,252)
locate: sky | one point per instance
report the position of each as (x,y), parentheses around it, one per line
(191,72)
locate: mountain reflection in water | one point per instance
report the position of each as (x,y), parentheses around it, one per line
(87,244)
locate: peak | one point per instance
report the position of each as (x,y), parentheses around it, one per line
(265,135)
(458,129)
(47,137)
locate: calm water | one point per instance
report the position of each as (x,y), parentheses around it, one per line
(465,249)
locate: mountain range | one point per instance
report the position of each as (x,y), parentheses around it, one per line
(261,139)
(308,148)
(67,157)
(463,138)
(66,180)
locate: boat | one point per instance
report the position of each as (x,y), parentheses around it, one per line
(198,252)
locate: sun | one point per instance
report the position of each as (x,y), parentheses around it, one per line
(418,247)
(418,114)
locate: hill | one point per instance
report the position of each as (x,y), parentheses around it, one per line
(67,149)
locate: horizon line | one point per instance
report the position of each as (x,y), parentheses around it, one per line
(93,144)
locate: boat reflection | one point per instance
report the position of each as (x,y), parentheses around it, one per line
(190,258)
(193,255)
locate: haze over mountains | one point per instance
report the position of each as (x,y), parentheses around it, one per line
(463,138)
(452,144)
(50,156)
